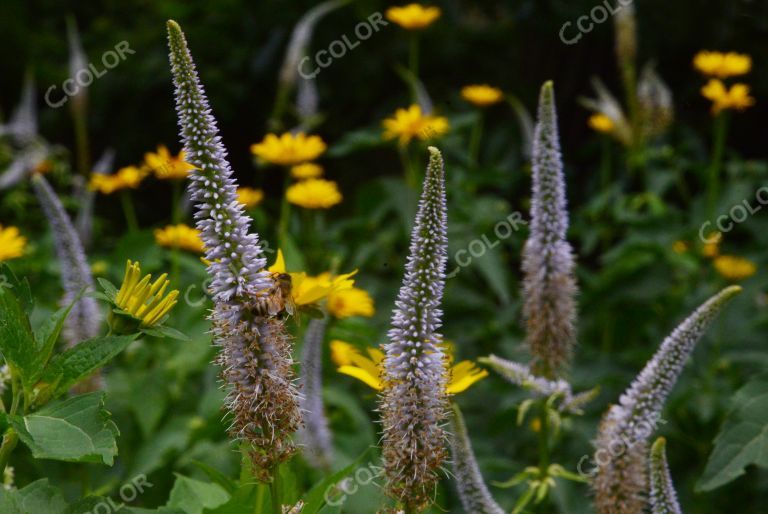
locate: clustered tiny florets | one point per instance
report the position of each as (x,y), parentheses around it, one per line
(474,494)
(663,497)
(549,287)
(315,433)
(255,349)
(414,402)
(621,483)
(84,318)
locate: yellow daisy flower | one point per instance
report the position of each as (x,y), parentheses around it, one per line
(307,289)
(737,97)
(350,302)
(722,65)
(127,177)
(413,16)
(306,170)
(600,123)
(314,193)
(12,243)
(734,268)
(289,149)
(482,95)
(145,301)
(249,196)
(180,236)
(166,166)
(369,369)
(410,123)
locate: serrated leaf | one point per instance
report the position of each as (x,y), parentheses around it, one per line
(314,500)
(192,496)
(79,362)
(110,291)
(20,288)
(75,430)
(743,439)
(37,497)
(17,341)
(47,335)
(163,331)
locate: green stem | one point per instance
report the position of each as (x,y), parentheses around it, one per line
(274,490)
(413,55)
(176,201)
(128,211)
(474,141)
(408,169)
(10,439)
(261,490)
(543,439)
(81,141)
(285,212)
(720,129)
(605,163)
(275,122)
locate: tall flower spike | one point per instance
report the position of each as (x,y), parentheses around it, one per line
(663,495)
(622,441)
(315,434)
(549,286)
(414,402)
(84,318)
(475,496)
(255,348)
(235,255)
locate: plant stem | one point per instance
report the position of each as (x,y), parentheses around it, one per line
(474,141)
(285,213)
(175,201)
(605,163)
(81,141)
(10,439)
(413,54)
(408,169)
(720,129)
(543,439)
(128,211)
(274,490)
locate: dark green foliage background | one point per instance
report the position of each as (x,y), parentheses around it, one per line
(164,395)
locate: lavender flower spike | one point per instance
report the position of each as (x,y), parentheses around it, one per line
(257,367)
(475,496)
(83,320)
(236,258)
(414,402)
(622,441)
(315,434)
(663,495)
(549,286)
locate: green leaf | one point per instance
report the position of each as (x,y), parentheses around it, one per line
(20,288)
(315,498)
(79,362)
(163,331)
(37,497)
(110,291)
(17,342)
(75,430)
(47,335)
(743,439)
(192,496)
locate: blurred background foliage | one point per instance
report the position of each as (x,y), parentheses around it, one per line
(634,286)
